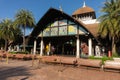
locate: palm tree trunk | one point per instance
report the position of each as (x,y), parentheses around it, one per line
(24,40)
(5,48)
(113,47)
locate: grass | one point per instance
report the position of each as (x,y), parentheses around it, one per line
(103,58)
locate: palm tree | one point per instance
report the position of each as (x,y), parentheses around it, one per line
(8,32)
(24,19)
(109,22)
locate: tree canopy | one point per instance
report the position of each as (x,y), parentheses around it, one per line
(8,32)
(110,21)
(24,19)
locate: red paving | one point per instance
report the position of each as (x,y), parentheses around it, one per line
(22,70)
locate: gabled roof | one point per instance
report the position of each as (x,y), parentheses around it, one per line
(52,15)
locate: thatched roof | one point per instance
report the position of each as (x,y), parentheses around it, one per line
(83,10)
(93,28)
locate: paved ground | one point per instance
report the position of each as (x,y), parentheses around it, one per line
(23,70)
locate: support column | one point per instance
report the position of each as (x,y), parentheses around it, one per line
(41,47)
(34,50)
(77,47)
(18,48)
(62,49)
(49,49)
(90,46)
(97,50)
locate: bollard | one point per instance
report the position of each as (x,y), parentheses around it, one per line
(109,54)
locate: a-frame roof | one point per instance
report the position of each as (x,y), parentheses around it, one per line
(52,15)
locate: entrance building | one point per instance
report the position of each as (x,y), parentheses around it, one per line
(60,34)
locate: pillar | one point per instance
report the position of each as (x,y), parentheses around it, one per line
(77,47)
(97,50)
(9,48)
(18,48)
(34,50)
(63,49)
(41,47)
(49,49)
(90,46)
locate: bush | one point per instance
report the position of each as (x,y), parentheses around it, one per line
(17,52)
(116,55)
(103,58)
(12,52)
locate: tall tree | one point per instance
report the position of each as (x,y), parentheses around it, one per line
(8,32)
(109,22)
(24,19)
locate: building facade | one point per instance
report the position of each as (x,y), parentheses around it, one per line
(61,34)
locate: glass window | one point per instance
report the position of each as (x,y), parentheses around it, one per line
(70,22)
(40,34)
(54,24)
(62,22)
(48,25)
(63,30)
(54,31)
(81,30)
(72,29)
(46,32)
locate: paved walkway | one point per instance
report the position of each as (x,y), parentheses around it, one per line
(23,70)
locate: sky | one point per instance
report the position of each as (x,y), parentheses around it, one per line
(8,8)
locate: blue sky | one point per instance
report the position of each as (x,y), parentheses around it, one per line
(8,8)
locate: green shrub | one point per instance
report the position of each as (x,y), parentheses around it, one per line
(17,52)
(116,55)
(12,52)
(103,58)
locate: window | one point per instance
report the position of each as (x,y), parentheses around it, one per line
(54,31)
(46,32)
(63,30)
(72,29)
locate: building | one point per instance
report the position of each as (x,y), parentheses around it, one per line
(68,35)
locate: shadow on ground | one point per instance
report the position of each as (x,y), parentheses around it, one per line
(8,72)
